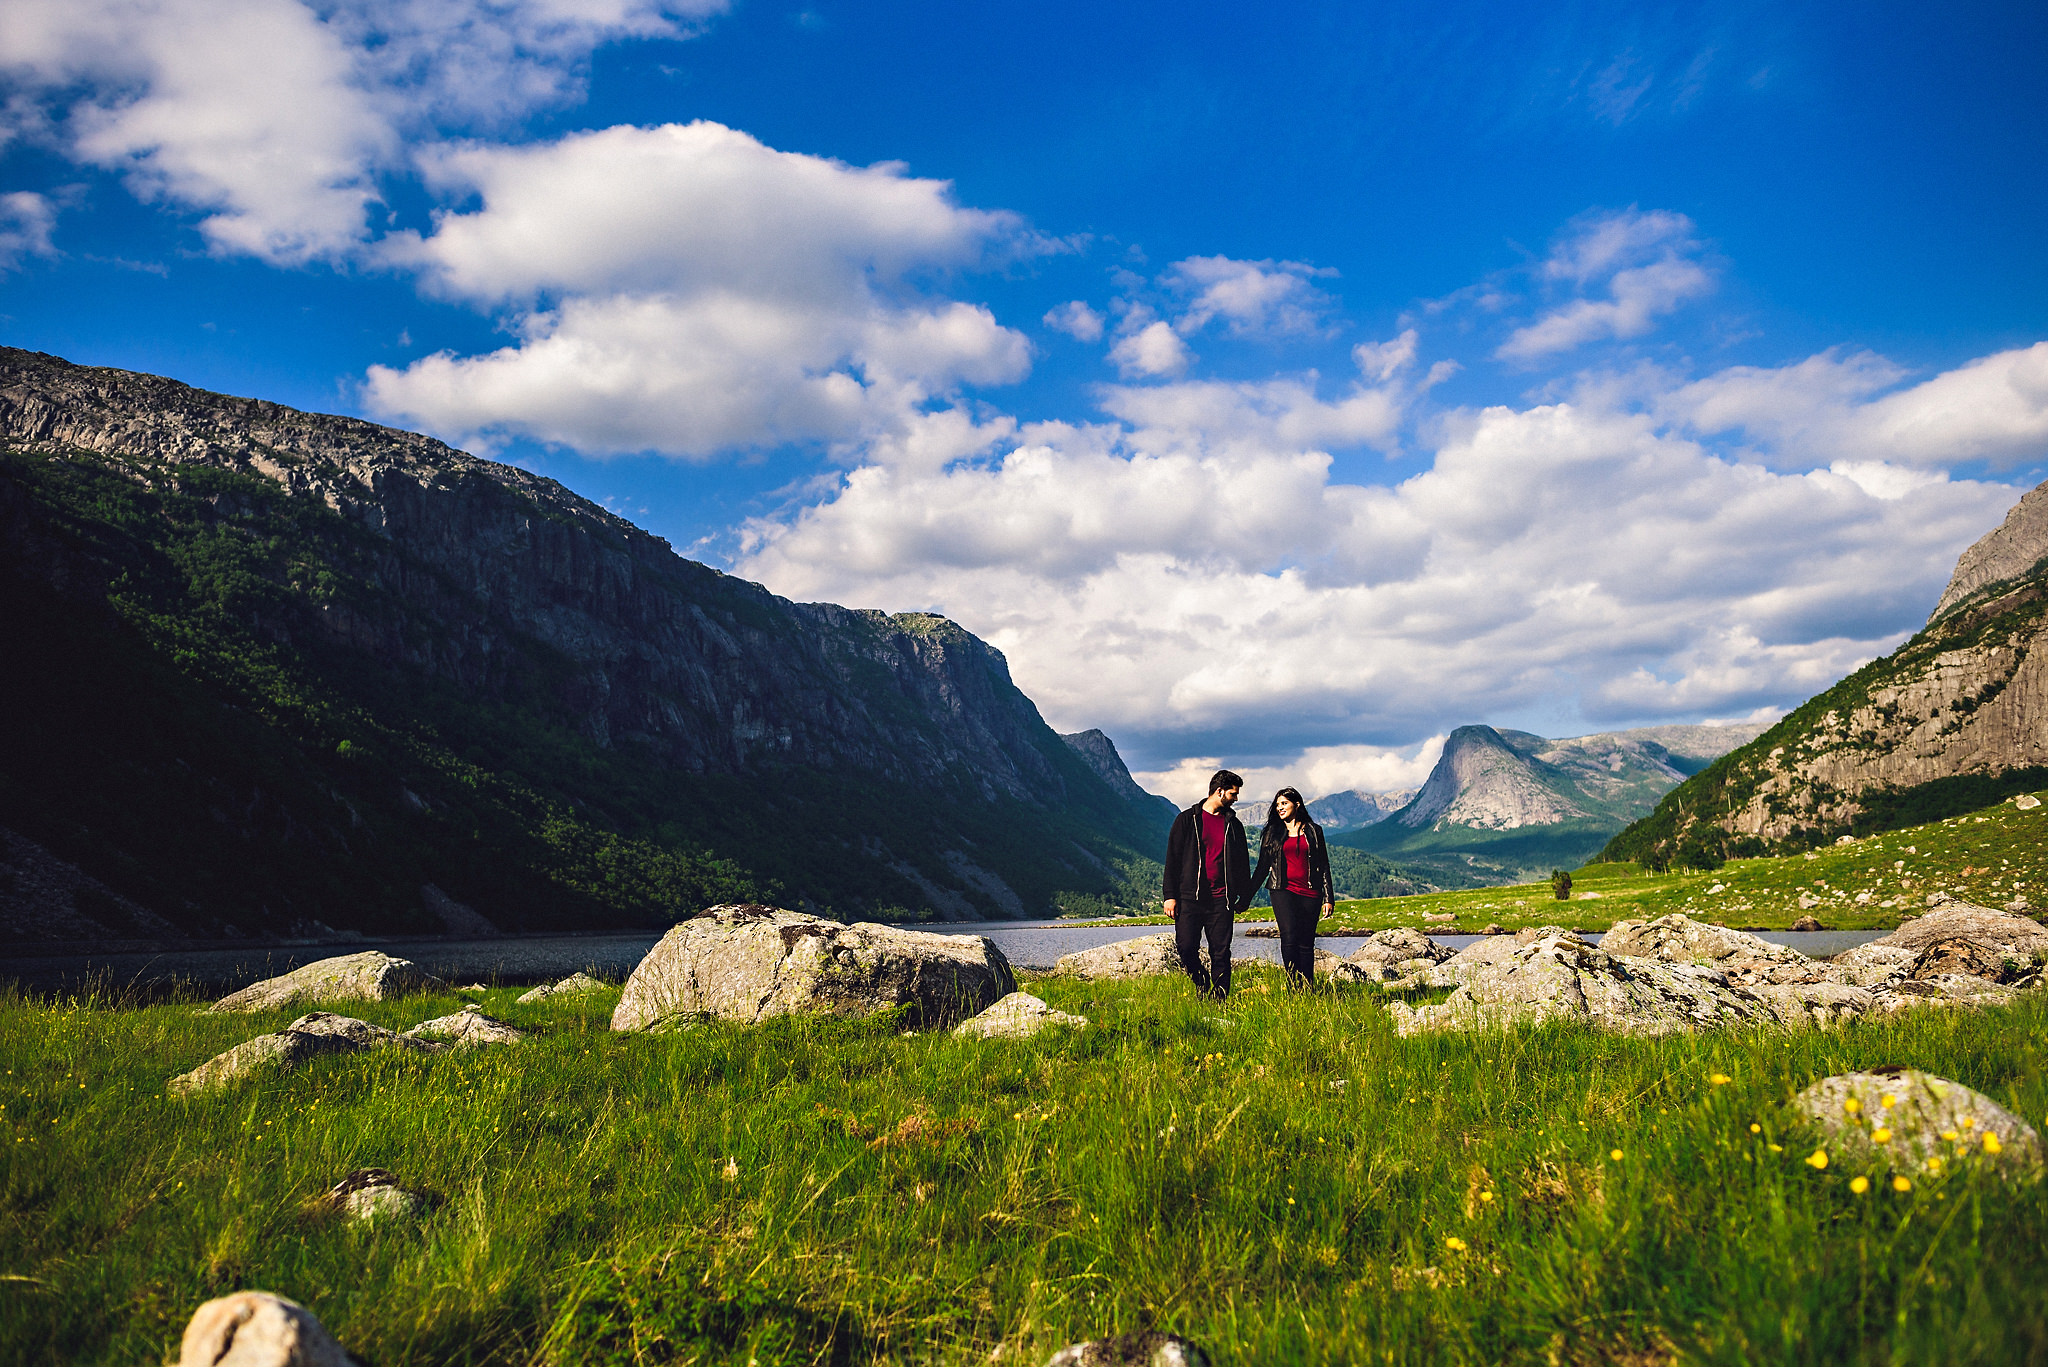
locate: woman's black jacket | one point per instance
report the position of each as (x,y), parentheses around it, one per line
(1182,880)
(1273,865)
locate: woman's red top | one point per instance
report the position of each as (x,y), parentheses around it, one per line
(1295,867)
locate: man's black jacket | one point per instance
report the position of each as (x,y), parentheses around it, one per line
(1272,867)
(1184,855)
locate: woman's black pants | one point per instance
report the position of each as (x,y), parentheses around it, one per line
(1297,916)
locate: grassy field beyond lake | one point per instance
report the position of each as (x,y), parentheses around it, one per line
(1282,1179)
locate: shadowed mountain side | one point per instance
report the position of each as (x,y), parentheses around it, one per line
(289,668)
(1954,719)
(1099,753)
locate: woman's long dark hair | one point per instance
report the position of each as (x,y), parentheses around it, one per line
(1276,829)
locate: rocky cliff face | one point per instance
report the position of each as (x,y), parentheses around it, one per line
(1099,753)
(1954,718)
(374,559)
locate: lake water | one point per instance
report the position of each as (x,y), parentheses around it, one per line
(544,958)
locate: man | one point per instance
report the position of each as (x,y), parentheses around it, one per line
(1208,868)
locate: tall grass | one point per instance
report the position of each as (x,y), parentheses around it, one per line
(1280,1178)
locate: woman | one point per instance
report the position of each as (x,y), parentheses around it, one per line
(1291,848)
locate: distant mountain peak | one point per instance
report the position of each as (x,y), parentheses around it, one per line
(2008,552)
(1099,753)
(1483,781)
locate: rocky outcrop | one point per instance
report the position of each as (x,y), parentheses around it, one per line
(1678,939)
(1149,1349)
(2004,556)
(371,976)
(573,985)
(1483,782)
(1915,1122)
(1099,753)
(747,963)
(1017,1016)
(258,1329)
(468,1028)
(1136,958)
(310,1036)
(1479,956)
(1561,977)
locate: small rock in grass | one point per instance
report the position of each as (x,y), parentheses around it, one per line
(473,987)
(1131,1350)
(311,1035)
(569,986)
(1138,958)
(258,1329)
(1017,1016)
(466,1029)
(1493,928)
(1807,923)
(370,976)
(1927,1118)
(372,1195)
(2026,802)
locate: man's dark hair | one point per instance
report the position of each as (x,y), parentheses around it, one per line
(1222,779)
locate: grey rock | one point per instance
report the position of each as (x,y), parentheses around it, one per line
(1678,939)
(1815,1003)
(570,986)
(1131,1350)
(1959,936)
(1807,923)
(1017,1016)
(466,1029)
(1870,965)
(1481,956)
(258,1329)
(373,1196)
(746,963)
(1138,958)
(1929,1119)
(370,976)
(1561,977)
(1396,946)
(308,1037)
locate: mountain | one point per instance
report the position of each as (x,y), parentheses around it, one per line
(270,671)
(1506,805)
(1099,753)
(1954,719)
(1349,810)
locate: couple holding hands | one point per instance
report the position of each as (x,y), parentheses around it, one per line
(1209,879)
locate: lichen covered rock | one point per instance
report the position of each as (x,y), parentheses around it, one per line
(258,1329)
(1916,1121)
(371,976)
(1017,1016)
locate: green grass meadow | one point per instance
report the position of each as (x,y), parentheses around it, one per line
(1281,1178)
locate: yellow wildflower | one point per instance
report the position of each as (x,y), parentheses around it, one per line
(1776,1148)
(1615,1154)
(1859,1185)
(1934,1165)
(1901,1184)
(1887,1101)
(1488,1196)
(1880,1135)
(1991,1144)
(1969,1122)
(1817,1160)
(1852,1106)
(1755,1128)
(1720,1079)
(1454,1243)
(1948,1134)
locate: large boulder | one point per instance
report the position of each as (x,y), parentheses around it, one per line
(1561,977)
(308,1037)
(258,1329)
(372,976)
(1915,1121)
(1017,1016)
(1815,1003)
(1139,958)
(1482,956)
(1678,939)
(746,963)
(1398,949)
(1874,966)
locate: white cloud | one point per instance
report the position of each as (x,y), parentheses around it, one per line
(708,292)
(1383,360)
(1077,320)
(1647,263)
(1831,407)
(274,119)
(1255,298)
(1153,350)
(26,222)
(1189,572)
(1318,771)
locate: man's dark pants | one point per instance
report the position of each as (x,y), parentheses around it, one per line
(1193,920)
(1297,917)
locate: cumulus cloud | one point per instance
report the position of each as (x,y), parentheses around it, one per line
(273,118)
(1252,298)
(1833,407)
(704,291)
(1648,264)
(26,222)
(1154,349)
(1077,320)
(1194,581)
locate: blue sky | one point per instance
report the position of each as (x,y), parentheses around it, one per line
(1282,387)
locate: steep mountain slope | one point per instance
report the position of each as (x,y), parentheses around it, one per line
(286,668)
(1506,804)
(1954,719)
(1099,753)
(1347,811)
